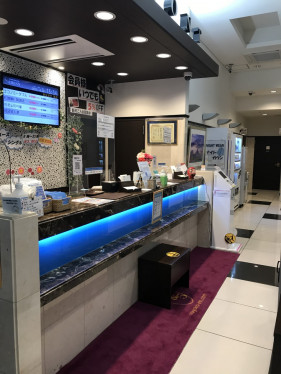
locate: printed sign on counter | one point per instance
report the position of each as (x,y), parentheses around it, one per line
(157,206)
(77,165)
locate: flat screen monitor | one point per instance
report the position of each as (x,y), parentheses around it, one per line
(29,101)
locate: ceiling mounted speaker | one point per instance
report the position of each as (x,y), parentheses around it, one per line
(170,7)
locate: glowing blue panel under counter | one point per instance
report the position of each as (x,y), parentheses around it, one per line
(60,249)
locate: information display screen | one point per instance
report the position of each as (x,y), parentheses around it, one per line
(29,101)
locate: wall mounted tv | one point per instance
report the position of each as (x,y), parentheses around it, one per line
(29,101)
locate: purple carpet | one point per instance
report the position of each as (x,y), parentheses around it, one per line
(147,339)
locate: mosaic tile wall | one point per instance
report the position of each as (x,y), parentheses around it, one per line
(51,160)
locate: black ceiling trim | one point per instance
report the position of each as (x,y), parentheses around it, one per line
(161,19)
(145,117)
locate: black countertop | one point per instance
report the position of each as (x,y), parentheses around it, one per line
(81,214)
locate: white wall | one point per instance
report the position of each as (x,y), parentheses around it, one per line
(264,126)
(256,80)
(147,98)
(214,96)
(259,102)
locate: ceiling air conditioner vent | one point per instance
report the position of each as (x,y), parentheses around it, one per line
(59,60)
(263,56)
(65,48)
(33,47)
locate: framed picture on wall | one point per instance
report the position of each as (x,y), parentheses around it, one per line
(196,149)
(162,132)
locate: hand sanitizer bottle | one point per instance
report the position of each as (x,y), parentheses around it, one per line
(13,203)
(19,191)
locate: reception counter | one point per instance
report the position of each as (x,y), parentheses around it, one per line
(75,245)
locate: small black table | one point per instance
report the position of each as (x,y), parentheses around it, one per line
(159,270)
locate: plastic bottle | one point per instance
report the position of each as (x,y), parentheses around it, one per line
(163,178)
(19,191)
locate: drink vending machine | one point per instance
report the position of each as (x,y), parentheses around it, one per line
(224,150)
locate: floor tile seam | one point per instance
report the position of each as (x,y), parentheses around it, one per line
(256,263)
(237,340)
(250,306)
(246,280)
(265,241)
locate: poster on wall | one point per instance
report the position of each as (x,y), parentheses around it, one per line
(196,147)
(76,81)
(88,95)
(215,153)
(158,132)
(85,112)
(95,107)
(73,102)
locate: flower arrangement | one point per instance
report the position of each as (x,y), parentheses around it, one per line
(143,156)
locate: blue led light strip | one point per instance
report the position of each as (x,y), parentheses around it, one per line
(65,247)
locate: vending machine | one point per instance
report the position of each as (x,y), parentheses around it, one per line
(224,149)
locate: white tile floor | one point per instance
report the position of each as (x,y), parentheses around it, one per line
(235,336)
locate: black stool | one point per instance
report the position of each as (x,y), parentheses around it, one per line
(159,270)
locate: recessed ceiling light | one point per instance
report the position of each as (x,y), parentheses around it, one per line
(105,16)
(181,67)
(98,63)
(273,91)
(264,114)
(24,32)
(163,55)
(122,74)
(61,67)
(3,21)
(138,39)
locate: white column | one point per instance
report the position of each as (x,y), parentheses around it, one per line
(20,318)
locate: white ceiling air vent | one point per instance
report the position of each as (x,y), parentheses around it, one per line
(261,57)
(57,50)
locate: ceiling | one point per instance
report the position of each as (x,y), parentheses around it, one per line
(245,36)
(67,34)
